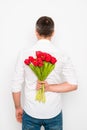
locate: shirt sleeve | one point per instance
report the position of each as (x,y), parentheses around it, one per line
(68,71)
(18,77)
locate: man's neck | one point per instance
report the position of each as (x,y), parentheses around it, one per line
(47,38)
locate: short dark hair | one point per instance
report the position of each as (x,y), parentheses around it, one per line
(45,26)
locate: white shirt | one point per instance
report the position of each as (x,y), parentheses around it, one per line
(63,72)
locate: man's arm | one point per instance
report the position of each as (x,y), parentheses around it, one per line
(17,103)
(17,83)
(61,88)
(16,98)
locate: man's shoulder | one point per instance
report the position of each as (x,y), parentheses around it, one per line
(26,52)
(62,55)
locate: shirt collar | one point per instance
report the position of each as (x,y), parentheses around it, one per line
(43,41)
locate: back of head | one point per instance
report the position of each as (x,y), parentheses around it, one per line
(45,26)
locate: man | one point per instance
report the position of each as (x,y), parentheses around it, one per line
(62,79)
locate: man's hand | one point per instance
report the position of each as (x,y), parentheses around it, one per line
(19,112)
(40,83)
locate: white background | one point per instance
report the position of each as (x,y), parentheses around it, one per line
(17,24)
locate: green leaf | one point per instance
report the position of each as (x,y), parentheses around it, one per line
(36,70)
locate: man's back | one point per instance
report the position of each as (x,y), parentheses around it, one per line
(31,106)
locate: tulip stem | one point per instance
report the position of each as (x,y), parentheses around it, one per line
(40,95)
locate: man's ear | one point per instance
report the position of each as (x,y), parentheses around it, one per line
(37,34)
(53,33)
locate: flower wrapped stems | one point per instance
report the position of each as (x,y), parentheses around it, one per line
(42,66)
(40,95)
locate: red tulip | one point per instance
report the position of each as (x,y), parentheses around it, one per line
(38,54)
(53,60)
(31,58)
(35,63)
(48,58)
(27,61)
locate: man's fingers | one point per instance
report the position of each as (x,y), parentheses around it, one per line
(41,82)
(38,86)
(19,118)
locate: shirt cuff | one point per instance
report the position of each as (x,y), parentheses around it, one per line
(16,88)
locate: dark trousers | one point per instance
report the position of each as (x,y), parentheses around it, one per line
(30,123)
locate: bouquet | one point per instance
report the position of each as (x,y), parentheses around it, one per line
(42,66)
